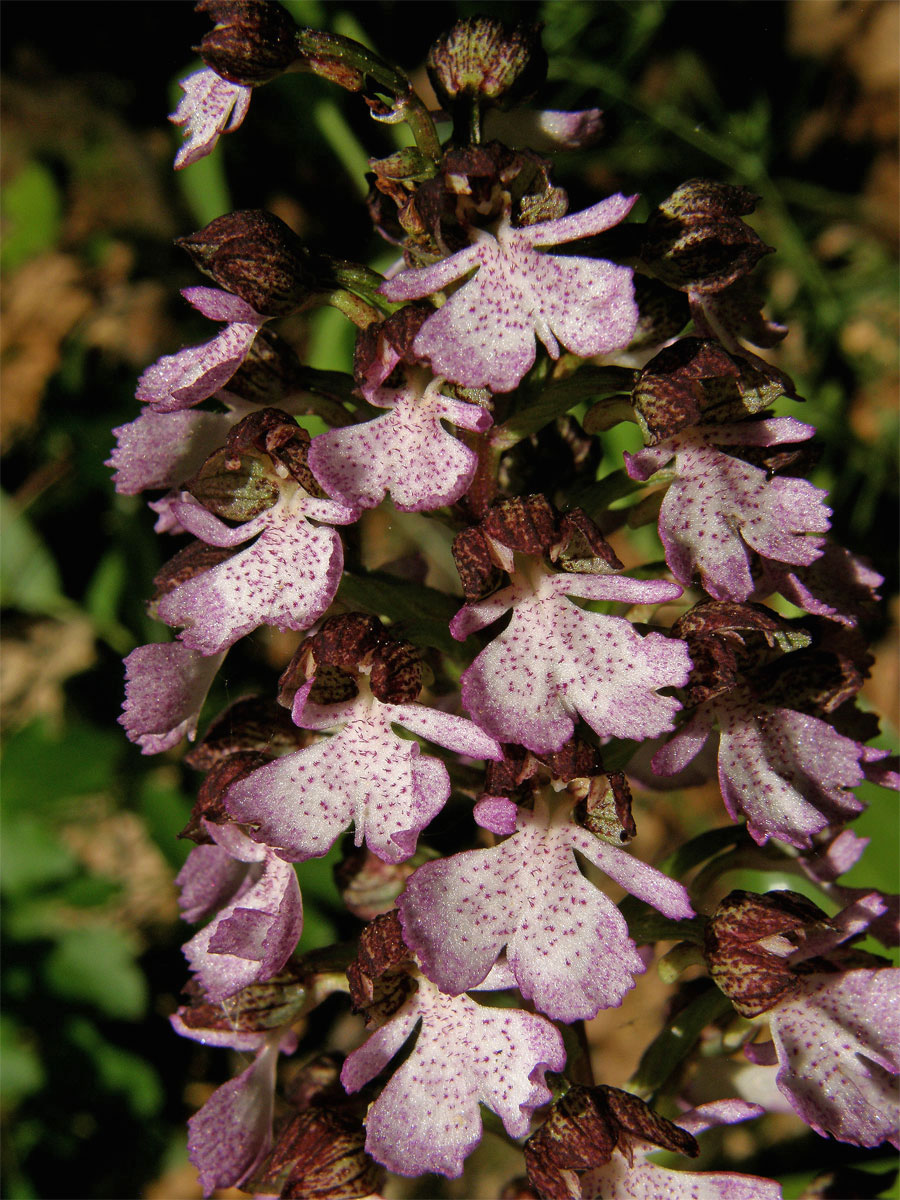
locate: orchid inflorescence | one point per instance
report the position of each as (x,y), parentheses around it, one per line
(486,360)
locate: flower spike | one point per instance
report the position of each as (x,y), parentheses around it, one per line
(464,766)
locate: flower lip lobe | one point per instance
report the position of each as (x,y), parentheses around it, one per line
(407,452)
(484,334)
(567,945)
(210,106)
(555,661)
(427,1117)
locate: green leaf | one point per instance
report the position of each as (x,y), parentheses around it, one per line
(597,497)
(322,903)
(32,215)
(661,1058)
(118,1070)
(31,857)
(307,12)
(22,1073)
(96,966)
(880,822)
(557,398)
(29,579)
(701,848)
(165,810)
(609,412)
(800,1185)
(42,914)
(330,340)
(339,136)
(89,891)
(46,770)
(645,924)
(104,597)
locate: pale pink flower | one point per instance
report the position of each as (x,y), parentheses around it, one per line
(209,107)
(484,334)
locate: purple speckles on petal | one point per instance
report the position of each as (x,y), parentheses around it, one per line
(787,772)
(209,107)
(161,450)
(555,661)
(258,922)
(365,775)
(838,1048)
(837,585)
(566,943)
(286,578)
(639,1179)
(165,687)
(484,335)
(407,452)
(719,508)
(629,1176)
(427,1117)
(178,381)
(232,1133)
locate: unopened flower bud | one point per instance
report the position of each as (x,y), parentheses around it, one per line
(254,255)
(528,524)
(583,1129)
(748,943)
(321,1152)
(210,806)
(396,676)
(276,434)
(256,1008)
(478,572)
(253,723)
(253,40)
(512,776)
(236,487)
(581,546)
(696,241)
(478,58)
(192,560)
(380,979)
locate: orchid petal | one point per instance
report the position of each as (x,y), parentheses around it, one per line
(210,106)
(427,1117)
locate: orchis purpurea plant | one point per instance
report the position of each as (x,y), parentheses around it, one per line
(466,756)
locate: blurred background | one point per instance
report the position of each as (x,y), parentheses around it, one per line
(797,101)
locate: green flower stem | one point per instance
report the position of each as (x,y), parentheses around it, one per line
(359,311)
(363,282)
(325,51)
